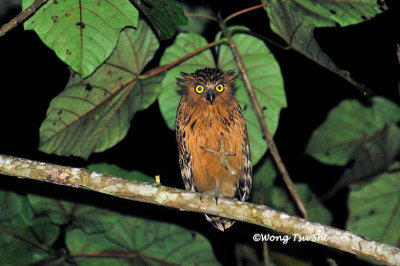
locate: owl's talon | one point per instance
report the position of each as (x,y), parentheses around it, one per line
(215,194)
(221,155)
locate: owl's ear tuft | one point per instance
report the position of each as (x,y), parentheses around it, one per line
(230,75)
(183,74)
(182,82)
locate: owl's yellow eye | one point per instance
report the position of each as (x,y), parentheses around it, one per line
(220,88)
(199,89)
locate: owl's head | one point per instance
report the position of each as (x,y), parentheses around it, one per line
(208,85)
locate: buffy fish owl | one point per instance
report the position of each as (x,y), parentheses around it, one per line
(214,152)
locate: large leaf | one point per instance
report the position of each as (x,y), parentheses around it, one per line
(184,44)
(82,33)
(163,242)
(114,170)
(295,21)
(374,209)
(24,239)
(165,15)
(24,243)
(144,242)
(11,205)
(88,218)
(374,157)
(96,249)
(347,127)
(266,79)
(93,114)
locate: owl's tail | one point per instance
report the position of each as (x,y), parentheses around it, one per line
(220,223)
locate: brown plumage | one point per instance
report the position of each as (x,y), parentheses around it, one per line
(212,138)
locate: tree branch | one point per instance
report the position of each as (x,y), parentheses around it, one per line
(22,16)
(261,119)
(190,201)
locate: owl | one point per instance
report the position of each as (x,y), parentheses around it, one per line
(214,151)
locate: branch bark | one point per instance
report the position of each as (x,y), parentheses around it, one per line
(261,119)
(22,16)
(190,201)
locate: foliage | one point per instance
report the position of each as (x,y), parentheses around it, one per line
(295,21)
(267,193)
(113,56)
(94,113)
(79,32)
(92,235)
(376,203)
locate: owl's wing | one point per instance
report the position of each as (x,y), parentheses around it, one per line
(244,188)
(186,170)
(184,155)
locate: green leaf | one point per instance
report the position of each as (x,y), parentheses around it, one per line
(23,243)
(83,33)
(347,127)
(10,205)
(374,157)
(88,218)
(79,244)
(161,242)
(374,209)
(144,242)
(295,21)
(165,15)
(265,76)
(317,212)
(114,170)
(13,205)
(93,114)
(184,44)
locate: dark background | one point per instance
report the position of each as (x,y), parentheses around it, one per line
(31,75)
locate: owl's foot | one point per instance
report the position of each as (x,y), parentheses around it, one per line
(222,155)
(215,194)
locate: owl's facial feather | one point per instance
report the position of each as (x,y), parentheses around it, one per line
(217,86)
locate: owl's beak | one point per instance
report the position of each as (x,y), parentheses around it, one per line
(210,96)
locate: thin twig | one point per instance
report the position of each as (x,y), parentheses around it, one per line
(22,16)
(180,60)
(259,36)
(261,119)
(265,253)
(244,11)
(199,15)
(264,216)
